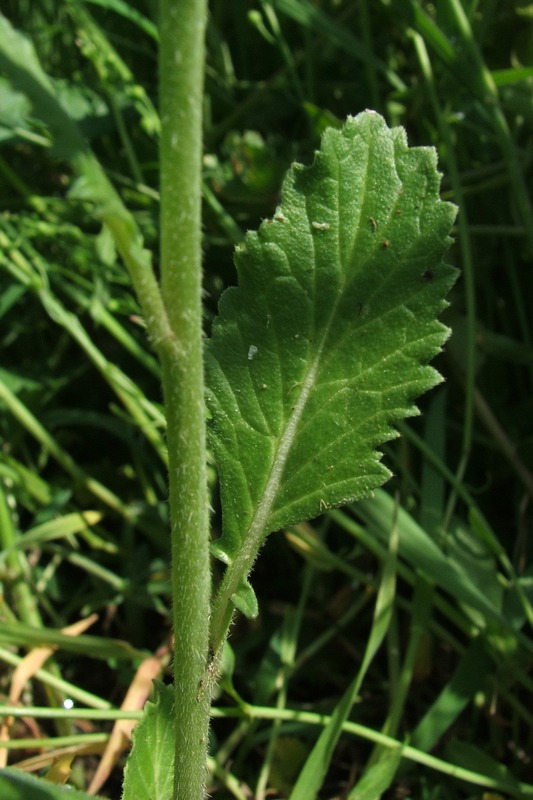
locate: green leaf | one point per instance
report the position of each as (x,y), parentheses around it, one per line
(20,63)
(17,785)
(469,677)
(378,777)
(125,10)
(315,768)
(471,757)
(245,600)
(20,634)
(58,528)
(14,112)
(421,553)
(325,343)
(149,770)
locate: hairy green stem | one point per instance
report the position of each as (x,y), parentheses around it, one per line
(181,65)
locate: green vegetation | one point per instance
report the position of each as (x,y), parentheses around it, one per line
(391,653)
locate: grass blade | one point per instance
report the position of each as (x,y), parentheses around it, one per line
(315,768)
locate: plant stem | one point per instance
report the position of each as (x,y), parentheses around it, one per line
(181,65)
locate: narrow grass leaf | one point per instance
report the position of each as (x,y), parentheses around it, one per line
(311,17)
(469,677)
(441,44)
(128,12)
(470,554)
(378,777)
(433,485)
(11,295)
(508,77)
(20,635)
(469,756)
(14,113)
(29,481)
(315,768)
(421,552)
(19,61)
(17,785)
(60,528)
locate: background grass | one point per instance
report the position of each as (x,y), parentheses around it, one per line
(83,521)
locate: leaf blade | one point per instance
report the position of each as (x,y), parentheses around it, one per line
(325,343)
(149,770)
(18,785)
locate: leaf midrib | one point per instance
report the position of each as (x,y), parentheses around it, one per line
(241,565)
(257,529)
